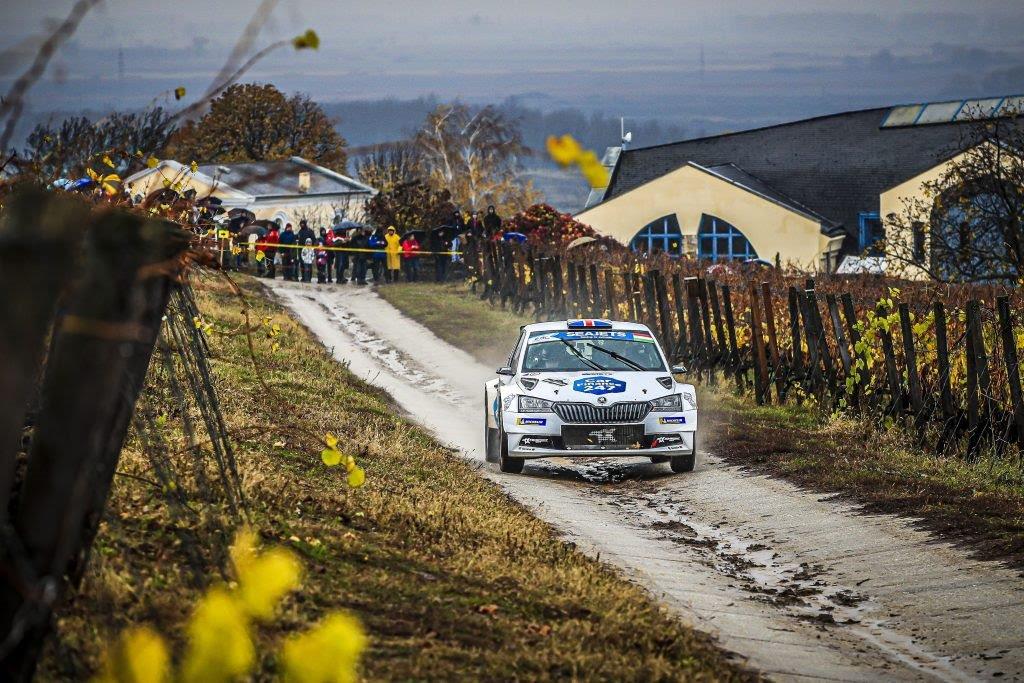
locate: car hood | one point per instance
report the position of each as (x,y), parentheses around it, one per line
(588,387)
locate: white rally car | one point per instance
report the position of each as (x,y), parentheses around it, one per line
(589,388)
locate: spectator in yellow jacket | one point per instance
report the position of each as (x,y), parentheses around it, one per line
(392,248)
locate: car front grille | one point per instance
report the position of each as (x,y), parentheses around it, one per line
(586,413)
(599,437)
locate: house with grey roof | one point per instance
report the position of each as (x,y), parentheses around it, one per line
(807,192)
(285,191)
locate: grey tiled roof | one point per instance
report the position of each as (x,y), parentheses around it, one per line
(281,178)
(834,166)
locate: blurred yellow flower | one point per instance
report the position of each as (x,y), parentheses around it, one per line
(220,647)
(327,653)
(263,578)
(139,656)
(357,477)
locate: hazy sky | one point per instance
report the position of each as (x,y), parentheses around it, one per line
(737,61)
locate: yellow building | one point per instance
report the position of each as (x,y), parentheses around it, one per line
(285,191)
(809,193)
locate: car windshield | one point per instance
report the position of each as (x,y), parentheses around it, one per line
(571,351)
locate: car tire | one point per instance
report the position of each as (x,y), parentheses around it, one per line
(658,459)
(505,463)
(685,463)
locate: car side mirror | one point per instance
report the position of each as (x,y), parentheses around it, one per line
(506,371)
(678,369)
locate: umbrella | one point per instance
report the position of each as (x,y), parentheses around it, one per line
(253,229)
(238,212)
(448,232)
(580,241)
(514,237)
(418,234)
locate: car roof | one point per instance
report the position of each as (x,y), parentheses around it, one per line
(554,325)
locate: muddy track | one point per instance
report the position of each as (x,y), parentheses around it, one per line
(797,585)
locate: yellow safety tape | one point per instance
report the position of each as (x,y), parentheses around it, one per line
(364,251)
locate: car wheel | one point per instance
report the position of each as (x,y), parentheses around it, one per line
(658,459)
(505,463)
(685,463)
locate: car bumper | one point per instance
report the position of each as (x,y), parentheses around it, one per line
(532,435)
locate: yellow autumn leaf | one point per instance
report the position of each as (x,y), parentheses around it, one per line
(357,477)
(330,439)
(327,653)
(108,161)
(307,41)
(152,162)
(330,456)
(139,656)
(93,175)
(564,150)
(179,92)
(260,256)
(220,647)
(194,166)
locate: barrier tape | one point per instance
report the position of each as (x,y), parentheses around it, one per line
(354,249)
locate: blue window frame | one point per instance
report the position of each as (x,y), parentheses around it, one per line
(721,241)
(870,232)
(662,235)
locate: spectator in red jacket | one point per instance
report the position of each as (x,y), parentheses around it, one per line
(266,264)
(410,258)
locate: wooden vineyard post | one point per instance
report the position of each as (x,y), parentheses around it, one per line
(682,345)
(797,369)
(37,249)
(813,363)
(595,293)
(730,326)
(773,342)
(570,271)
(837,328)
(892,372)
(984,413)
(851,326)
(558,297)
(945,392)
(973,404)
(651,308)
(664,314)
(95,369)
(910,355)
(823,351)
(1010,357)
(693,315)
(705,320)
(757,341)
(636,295)
(582,292)
(609,296)
(716,314)
(540,275)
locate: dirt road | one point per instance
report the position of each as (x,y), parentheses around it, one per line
(798,586)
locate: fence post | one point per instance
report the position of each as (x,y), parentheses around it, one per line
(651,318)
(570,272)
(913,378)
(973,404)
(609,289)
(95,369)
(1012,367)
(37,249)
(661,294)
(595,292)
(558,298)
(682,345)
(693,315)
(813,364)
(773,342)
(851,326)
(636,296)
(730,326)
(822,337)
(761,391)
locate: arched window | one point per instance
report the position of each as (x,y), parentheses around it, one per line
(662,235)
(720,241)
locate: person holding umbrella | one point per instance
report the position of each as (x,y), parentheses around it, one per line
(438,245)
(392,249)
(492,222)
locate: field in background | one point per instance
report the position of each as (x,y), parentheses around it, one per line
(981,503)
(452,579)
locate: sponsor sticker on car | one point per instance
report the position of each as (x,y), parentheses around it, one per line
(599,385)
(538,421)
(672,420)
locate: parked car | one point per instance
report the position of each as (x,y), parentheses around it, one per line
(589,388)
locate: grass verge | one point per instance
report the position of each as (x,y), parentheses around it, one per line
(452,579)
(980,503)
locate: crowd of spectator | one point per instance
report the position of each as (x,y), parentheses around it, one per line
(363,255)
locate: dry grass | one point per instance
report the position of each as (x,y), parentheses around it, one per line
(453,579)
(980,503)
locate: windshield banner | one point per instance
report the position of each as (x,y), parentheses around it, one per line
(577,335)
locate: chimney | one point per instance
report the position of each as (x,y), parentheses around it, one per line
(304,181)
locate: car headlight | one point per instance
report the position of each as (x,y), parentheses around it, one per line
(529,404)
(690,398)
(667,403)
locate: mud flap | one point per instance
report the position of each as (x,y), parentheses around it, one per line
(491,446)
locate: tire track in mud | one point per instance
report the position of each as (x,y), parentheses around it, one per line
(800,587)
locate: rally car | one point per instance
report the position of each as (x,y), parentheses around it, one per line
(582,388)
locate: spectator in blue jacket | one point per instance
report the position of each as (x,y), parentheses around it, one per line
(287,240)
(376,241)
